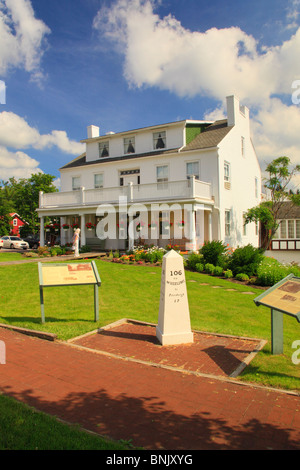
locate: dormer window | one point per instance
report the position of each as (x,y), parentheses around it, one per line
(129,145)
(104,149)
(159,140)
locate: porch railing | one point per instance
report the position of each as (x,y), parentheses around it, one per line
(171,190)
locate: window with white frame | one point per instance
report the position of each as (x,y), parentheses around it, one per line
(256,187)
(159,140)
(243,146)
(227,175)
(192,169)
(227,223)
(162,177)
(289,229)
(98,180)
(104,149)
(129,145)
(15,222)
(75,183)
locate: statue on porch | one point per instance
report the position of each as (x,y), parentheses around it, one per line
(75,242)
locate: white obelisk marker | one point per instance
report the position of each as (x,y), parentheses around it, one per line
(174,325)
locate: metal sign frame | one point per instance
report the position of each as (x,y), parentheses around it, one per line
(277,313)
(96,283)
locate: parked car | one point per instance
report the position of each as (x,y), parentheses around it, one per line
(14,242)
(1,242)
(33,241)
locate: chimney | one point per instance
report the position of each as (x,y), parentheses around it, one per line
(235,110)
(93,131)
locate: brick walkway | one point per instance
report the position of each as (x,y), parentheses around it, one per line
(157,407)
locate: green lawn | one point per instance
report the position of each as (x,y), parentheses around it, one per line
(23,428)
(130,291)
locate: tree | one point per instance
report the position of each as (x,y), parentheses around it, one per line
(280,176)
(25,195)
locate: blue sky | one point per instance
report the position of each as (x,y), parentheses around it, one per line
(126,64)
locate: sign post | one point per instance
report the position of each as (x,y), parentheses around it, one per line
(64,274)
(174,326)
(282,298)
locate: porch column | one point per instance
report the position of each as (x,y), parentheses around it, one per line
(209,226)
(42,231)
(82,230)
(192,230)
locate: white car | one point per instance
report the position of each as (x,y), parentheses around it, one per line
(1,242)
(14,242)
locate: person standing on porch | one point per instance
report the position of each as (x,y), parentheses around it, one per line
(76,242)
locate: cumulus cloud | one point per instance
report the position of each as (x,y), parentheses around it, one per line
(160,52)
(22,38)
(17,164)
(16,133)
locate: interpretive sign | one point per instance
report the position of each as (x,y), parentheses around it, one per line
(174,326)
(69,274)
(282,298)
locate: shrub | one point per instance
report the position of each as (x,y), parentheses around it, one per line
(245,260)
(242,277)
(218,271)
(209,268)
(228,274)
(193,260)
(214,252)
(199,267)
(85,249)
(271,271)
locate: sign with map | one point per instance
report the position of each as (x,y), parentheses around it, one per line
(283,296)
(68,274)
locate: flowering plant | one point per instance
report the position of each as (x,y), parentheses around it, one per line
(152,225)
(181,223)
(74,226)
(66,226)
(89,225)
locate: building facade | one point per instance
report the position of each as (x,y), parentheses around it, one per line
(183,183)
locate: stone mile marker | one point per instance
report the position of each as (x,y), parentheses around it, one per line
(174,325)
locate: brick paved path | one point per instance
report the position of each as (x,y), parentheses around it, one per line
(155,407)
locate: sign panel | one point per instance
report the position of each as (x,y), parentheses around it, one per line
(68,274)
(284,296)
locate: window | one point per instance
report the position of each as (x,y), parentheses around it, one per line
(162,177)
(15,222)
(243,146)
(283,229)
(256,187)
(244,224)
(227,223)
(159,140)
(98,181)
(75,183)
(297,228)
(129,145)
(227,172)
(192,169)
(291,229)
(104,149)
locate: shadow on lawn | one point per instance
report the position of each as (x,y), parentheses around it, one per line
(17,321)
(150,423)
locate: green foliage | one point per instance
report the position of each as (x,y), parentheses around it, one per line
(193,260)
(199,267)
(214,252)
(228,274)
(271,271)
(85,249)
(245,260)
(24,196)
(218,271)
(209,268)
(242,277)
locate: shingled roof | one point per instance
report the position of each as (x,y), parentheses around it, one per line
(289,211)
(210,137)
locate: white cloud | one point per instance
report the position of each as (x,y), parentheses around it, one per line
(160,52)
(22,38)
(16,133)
(17,164)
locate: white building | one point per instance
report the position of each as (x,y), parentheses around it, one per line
(205,173)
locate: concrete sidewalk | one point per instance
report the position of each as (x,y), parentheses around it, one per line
(101,383)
